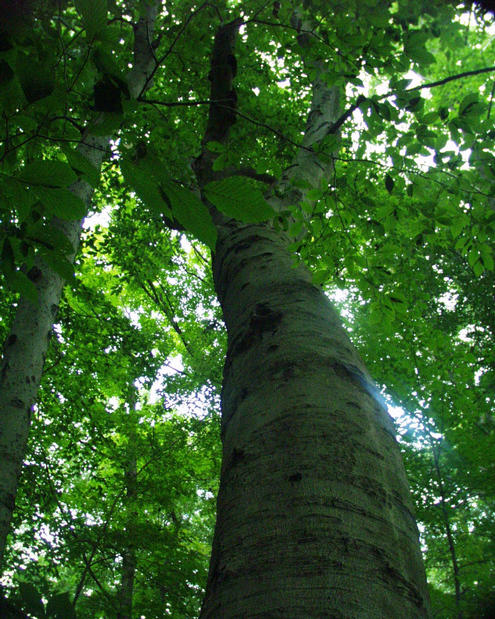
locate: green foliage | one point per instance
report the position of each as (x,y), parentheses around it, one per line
(404,225)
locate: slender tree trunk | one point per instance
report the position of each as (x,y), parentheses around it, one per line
(27,342)
(314,515)
(448,528)
(129,560)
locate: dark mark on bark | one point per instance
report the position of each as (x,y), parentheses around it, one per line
(35,274)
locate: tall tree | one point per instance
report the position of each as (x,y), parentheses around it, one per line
(382,186)
(44,272)
(314,515)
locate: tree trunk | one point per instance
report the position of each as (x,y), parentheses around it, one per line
(129,560)
(314,516)
(27,342)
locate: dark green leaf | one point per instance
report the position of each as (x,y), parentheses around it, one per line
(93,14)
(62,203)
(48,172)
(46,235)
(36,79)
(58,263)
(82,166)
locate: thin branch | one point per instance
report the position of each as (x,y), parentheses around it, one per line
(445,80)
(490,104)
(159,61)
(175,103)
(340,121)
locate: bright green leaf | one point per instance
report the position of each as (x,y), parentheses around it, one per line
(190,212)
(145,188)
(237,197)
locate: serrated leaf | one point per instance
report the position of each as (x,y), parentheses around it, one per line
(82,166)
(59,607)
(487,257)
(50,237)
(237,197)
(149,192)
(62,203)
(93,14)
(30,596)
(49,173)
(190,212)
(58,263)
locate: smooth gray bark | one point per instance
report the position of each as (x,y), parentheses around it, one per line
(314,517)
(27,342)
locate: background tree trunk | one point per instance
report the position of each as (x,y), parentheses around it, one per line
(27,342)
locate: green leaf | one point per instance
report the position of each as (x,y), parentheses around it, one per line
(59,607)
(16,194)
(216,147)
(237,197)
(20,282)
(48,172)
(478,268)
(149,192)
(467,102)
(320,276)
(62,203)
(93,14)
(58,263)
(31,599)
(82,166)
(49,236)
(190,212)
(36,79)
(487,257)
(107,125)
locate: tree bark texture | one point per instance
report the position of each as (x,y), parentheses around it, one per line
(27,342)
(314,517)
